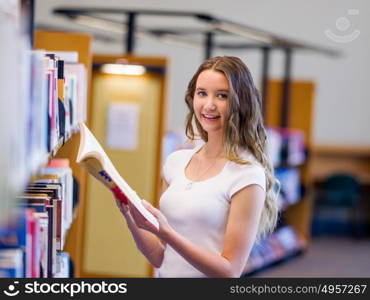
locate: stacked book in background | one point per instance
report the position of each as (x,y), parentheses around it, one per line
(44,97)
(51,103)
(32,245)
(279,246)
(291,190)
(286,148)
(14,86)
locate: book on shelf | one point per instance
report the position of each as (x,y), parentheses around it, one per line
(43,219)
(15,106)
(281,244)
(11,263)
(54,177)
(57,103)
(41,231)
(290,181)
(44,98)
(53,102)
(286,149)
(95,161)
(286,146)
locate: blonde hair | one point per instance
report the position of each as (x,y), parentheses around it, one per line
(244,127)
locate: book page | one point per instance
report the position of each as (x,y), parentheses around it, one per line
(90,149)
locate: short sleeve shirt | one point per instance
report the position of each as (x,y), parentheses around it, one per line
(200,213)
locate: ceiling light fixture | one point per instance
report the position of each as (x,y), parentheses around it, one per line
(121,69)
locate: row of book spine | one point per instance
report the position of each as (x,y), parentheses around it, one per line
(32,244)
(54,103)
(58,102)
(14,103)
(291,190)
(286,147)
(44,98)
(287,151)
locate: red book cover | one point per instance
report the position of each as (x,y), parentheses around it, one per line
(58,163)
(30,240)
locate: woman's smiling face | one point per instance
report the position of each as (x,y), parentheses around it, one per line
(211,100)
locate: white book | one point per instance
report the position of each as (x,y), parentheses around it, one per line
(96,162)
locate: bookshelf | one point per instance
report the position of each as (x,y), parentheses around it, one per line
(43,203)
(292,235)
(300,117)
(81,43)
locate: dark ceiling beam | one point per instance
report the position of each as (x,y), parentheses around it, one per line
(218,24)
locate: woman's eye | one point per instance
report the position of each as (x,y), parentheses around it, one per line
(201,93)
(222,96)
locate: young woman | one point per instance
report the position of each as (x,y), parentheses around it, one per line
(217,198)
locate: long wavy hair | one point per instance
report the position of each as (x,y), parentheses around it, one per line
(243,129)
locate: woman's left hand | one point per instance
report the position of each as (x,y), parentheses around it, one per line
(142,223)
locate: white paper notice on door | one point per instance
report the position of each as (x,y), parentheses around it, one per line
(123,126)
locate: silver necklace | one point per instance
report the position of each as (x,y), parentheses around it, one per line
(190,184)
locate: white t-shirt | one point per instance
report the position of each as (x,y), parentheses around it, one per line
(200,213)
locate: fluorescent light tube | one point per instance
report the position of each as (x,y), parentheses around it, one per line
(121,69)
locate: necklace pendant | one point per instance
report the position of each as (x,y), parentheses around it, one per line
(189,186)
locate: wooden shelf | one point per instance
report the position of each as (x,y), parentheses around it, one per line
(49,156)
(341,150)
(300,116)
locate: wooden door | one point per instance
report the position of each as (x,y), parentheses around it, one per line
(109,249)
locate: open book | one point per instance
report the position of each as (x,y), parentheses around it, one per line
(96,162)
